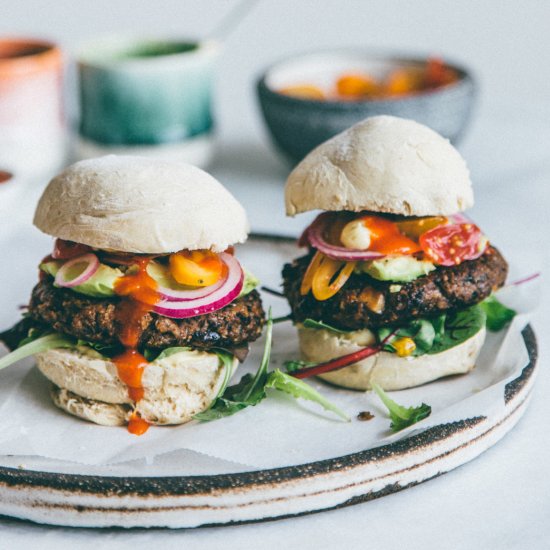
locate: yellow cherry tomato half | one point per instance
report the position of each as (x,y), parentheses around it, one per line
(196,267)
(330,277)
(307,281)
(414,228)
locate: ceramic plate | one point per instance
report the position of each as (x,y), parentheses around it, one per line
(141,494)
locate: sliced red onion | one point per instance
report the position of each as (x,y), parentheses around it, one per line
(459,218)
(315,235)
(524,280)
(172,295)
(93,265)
(219,298)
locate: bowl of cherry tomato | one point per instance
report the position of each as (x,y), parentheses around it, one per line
(309,98)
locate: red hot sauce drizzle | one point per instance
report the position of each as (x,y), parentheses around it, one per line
(138,291)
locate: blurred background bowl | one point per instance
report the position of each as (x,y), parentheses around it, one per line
(298,124)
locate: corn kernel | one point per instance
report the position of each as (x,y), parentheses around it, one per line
(404,346)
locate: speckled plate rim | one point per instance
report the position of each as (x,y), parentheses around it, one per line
(262,495)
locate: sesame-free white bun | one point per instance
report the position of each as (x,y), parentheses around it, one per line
(382,164)
(175,388)
(388,370)
(140,205)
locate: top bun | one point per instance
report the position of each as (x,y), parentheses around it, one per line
(141,205)
(383,164)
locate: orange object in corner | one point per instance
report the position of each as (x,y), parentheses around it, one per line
(356,86)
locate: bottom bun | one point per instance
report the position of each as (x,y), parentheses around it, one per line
(175,388)
(388,370)
(105,414)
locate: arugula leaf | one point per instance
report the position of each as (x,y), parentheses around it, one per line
(439,326)
(251,390)
(13,336)
(297,388)
(227,360)
(223,404)
(498,315)
(38,345)
(420,330)
(248,392)
(401,417)
(439,333)
(319,325)
(459,327)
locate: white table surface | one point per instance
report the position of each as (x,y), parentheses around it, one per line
(502,499)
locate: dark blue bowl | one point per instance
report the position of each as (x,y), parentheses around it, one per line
(298,125)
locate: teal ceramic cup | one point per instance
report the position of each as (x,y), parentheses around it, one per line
(149,97)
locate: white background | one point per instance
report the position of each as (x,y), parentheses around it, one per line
(502,500)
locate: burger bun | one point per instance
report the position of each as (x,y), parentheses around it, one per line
(140,205)
(386,369)
(382,164)
(176,387)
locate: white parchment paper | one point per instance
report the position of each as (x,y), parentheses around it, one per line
(280,431)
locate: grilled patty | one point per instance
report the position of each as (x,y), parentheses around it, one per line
(95,320)
(364,302)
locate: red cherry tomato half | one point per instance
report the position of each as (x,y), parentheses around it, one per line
(65,250)
(452,244)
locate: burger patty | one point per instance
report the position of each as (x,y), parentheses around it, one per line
(95,320)
(365,302)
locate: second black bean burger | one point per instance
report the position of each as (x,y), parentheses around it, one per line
(392,261)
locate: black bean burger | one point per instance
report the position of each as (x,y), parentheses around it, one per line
(142,308)
(392,264)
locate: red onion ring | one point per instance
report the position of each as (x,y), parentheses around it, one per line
(315,235)
(172,295)
(219,298)
(459,218)
(93,265)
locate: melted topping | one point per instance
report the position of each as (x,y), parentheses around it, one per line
(138,291)
(137,425)
(386,237)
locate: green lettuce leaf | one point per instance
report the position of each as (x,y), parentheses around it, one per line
(248,392)
(281,381)
(459,327)
(498,315)
(251,389)
(37,345)
(401,417)
(421,331)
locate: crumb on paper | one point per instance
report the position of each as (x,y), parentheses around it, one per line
(365,415)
